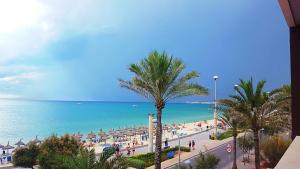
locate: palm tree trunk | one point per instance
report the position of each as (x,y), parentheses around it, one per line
(234,166)
(158,139)
(256,149)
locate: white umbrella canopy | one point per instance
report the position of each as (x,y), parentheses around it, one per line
(7,147)
(36,140)
(78,134)
(20,143)
(77,137)
(91,135)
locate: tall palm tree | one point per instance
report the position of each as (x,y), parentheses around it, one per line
(233,120)
(157,78)
(250,102)
(258,107)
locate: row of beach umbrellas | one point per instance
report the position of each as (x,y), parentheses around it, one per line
(119,133)
(18,144)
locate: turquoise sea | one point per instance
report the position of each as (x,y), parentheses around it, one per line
(25,119)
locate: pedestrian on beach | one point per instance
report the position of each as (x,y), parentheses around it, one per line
(117,150)
(128,149)
(190,144)
(166,142)
(193,144)
(133,149)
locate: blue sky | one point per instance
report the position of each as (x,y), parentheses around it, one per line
(76,50)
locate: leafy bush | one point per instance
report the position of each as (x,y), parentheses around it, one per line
(246,143)
(208,161)
(224,135)
(149,157)
(109,151)
(54,149)
(26,156)
(273,149)
(136,163)
(184,149)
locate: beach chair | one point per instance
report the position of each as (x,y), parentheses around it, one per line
(170,154)
(9,159)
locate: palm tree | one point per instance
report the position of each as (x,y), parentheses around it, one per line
(259,107)
(250,102)
(157,78)
(86,159)
(233,120)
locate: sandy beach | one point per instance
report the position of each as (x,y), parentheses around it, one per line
(140,144)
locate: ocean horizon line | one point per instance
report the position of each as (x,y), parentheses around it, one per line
(104,101)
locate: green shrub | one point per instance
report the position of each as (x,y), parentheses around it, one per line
(109,151)
(273,149)
(54,149)
(136,163)
(207,161)
(246,143)
(149,157)
(184,149)
(225,135)
(26,156)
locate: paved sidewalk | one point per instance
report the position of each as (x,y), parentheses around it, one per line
(203,145)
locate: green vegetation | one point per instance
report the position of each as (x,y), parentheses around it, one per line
(136,163)
(246,144)
(65,153)
(26,156)
(157,78)
(224,135)
(257,107)
(54,149)
(273,149)
(148,159)
(207,161)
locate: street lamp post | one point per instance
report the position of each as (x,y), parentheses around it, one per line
(179,152)
(215,101)
(179,135)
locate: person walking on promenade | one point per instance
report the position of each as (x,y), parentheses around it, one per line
(166,143)
(190,145)
(133,149)
(128,149)
(193,144)
(117,150)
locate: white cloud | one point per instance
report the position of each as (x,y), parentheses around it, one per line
(20,78)
(9,96)
(27,27)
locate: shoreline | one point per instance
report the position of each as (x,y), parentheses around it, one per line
(187,129)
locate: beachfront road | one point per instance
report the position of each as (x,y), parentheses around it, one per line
(222,154)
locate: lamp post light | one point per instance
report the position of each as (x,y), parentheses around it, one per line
(150,132)
(215,101)
(179,135)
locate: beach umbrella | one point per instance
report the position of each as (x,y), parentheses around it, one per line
(91,135)
(79,135)
(129,134)
(36,140)
(20,143)
(104,138)
(7,147)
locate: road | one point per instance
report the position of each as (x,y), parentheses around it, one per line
(222,154)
